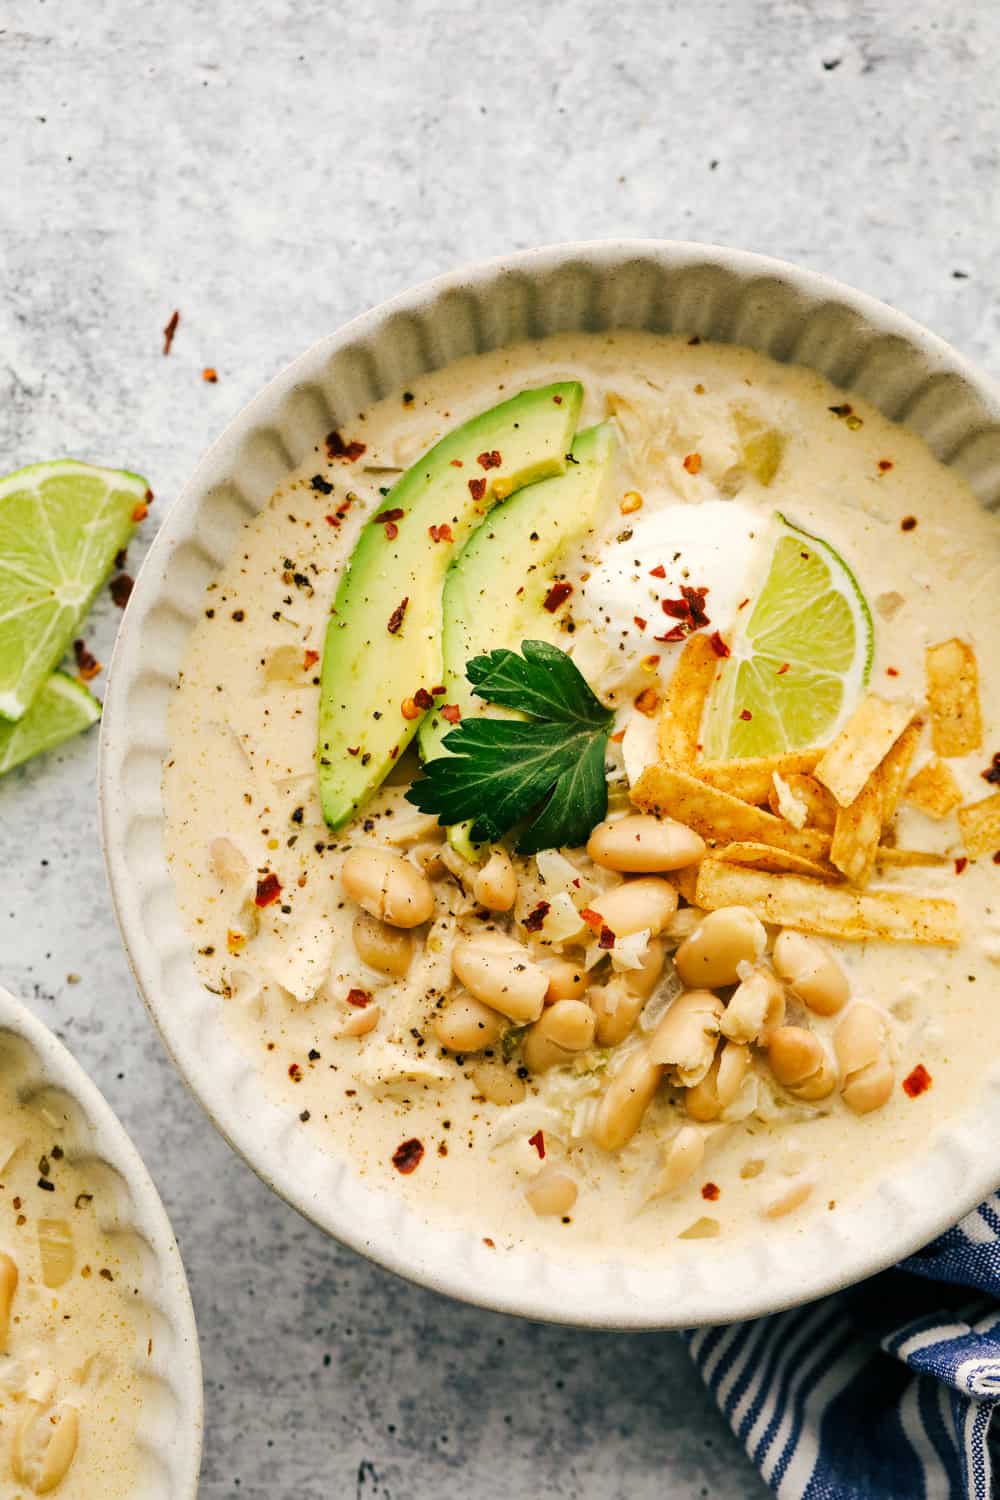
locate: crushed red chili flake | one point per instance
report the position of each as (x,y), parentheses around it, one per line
(535,919)
(783,668)
(692,463)
(437,692)
(710,1191)
(490,1244)
(210,376)
(892,671)
(743,604)
(268,889)
(606,938)
(718,645)
(451,712)
(557,594)
(996,857)
(140,512)
(908,523)
(675,633)
(647,701)
(441,533)
(456,463)
(592,918)
(658,572)
(320,485)
(423,699)
(396,618)
(87,664)
(170,330)
(917,1082)
(884,465)
(538,1141)
(120,588)
(961,865)
(617,738)
(992,772)
(386,517)
(407,1157)
(309,660)
(696,604)
(491,460)
(295,1072)
(677,609)
(358,998)
(354,749)
(746,715)
(477,488)
(337,448)
(638,620)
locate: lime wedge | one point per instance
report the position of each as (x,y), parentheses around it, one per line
(61,524)
(802,659)
(62,708)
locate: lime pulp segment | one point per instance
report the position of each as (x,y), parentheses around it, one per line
(62,707)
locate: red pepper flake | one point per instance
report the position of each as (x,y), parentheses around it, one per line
(710,1191)
(908,523)
(996,857)
(451,712)
(140,512)
(677,609)
(457,463)
(676,633)
(616,739)
(438,692)
(534,920)
(170,330)
(884,465)
(341,510)
(992,772)
(658,572)
(538,1141)
(692,463)
(388,519)
(892,671)
(783,668)
(746,715)
(309,660)
(490,1244)
(557,400)
(268,890)
(337,448)
(491,460)
(120,588)
(423,699)
(961,864)
(396,618)
(407,1157)
(606,938)
(441,533)
(742,604)
(557,594)
(87,665)
(647,701)
(409,708)
(718,645)
(917,1082)
(358,998)
(638,620)
(354,749)
(210,376)
(295,1072)
(843,410)
(696,604)
(477,488)
(593,918)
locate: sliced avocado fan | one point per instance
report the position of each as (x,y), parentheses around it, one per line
(384,638)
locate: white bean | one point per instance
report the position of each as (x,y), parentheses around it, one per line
(862,1047)
(495,884)
(682,1156)
(498,1084)
(502,974)
(685,1039)
(387,949)
(388,887)
(562,1030)
(45,1446)
(625,1100)
(721,942)
(466,1025)
(644,904)
(811,972)
(641,844)
(757,1006)
(552,1193)
(787,1200)
(799,1063)
(720,1085)
(8,1286)
(567,981)
(617,1009)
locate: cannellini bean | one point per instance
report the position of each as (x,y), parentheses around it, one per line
(685,1039)
(617,1009)
(799,1062)
(757,1006)
(562,1030)
(682,924)
(625,1100)
(567,981)
(720,1085)
(388,887)
(229,864)
(641,844)
(495,884)
(862,1048)
(45,1446)
(787,1200)
(811,972)
(498,1084)
(722,941)
(502,974)
(552,1193)
(8,1286)
(360,1022)
(466,1025)
(682,1156)
(643,980)
(387,949)
(638,905)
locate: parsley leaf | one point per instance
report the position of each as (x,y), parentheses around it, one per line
(547,767)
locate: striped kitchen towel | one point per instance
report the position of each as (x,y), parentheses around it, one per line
(882,1392)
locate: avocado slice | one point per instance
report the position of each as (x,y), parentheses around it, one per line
(496,590)
(383,640)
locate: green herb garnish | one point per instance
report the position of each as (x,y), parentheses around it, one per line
(547,767)
(511,1040)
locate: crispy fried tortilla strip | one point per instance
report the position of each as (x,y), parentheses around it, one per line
(953,697)
(934,790)
(720,818)
(679,728)
(857,832)
(888,857)
(685,882)
(862,745)
(752,780)
(831,911)
(980,825)
(821,806)
(893,771)
(777,861)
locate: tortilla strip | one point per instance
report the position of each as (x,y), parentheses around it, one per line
(821,806)
(980,825)
(894,769)
(888,857)
(857,832)
(679,728)
(953,697)
(720,818)
(831,911)
(862,745)
(777,861)
(934,790)
(685,882)
(752,780)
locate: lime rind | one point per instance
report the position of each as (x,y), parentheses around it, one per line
(802,659)
(62,708)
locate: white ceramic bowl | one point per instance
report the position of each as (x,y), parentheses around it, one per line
(726,295)
(170,1422)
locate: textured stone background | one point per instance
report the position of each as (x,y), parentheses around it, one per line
(271,170)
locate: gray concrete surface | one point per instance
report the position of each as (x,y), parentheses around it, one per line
(271,170)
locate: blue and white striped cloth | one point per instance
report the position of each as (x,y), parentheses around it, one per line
(883,1392)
